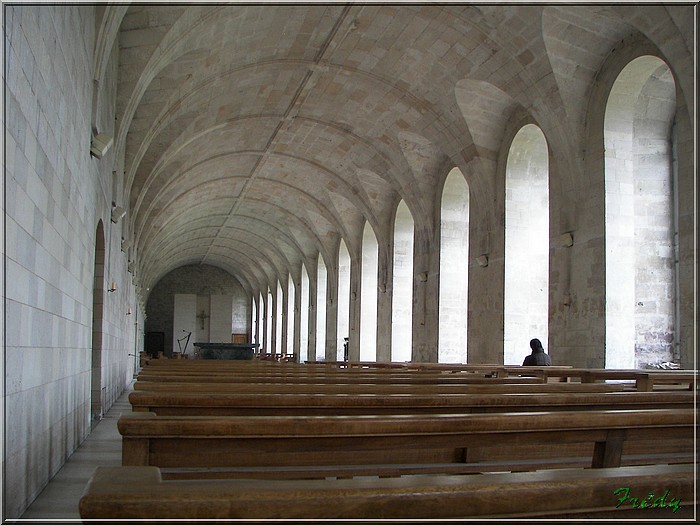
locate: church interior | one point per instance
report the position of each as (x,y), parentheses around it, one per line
(379,201)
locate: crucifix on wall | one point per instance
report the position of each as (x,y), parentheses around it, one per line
(202,316)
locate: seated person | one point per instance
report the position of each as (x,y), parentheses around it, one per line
(537,357)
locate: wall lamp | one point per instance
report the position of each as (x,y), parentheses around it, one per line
(100,144)
(117,213)
(113,287)
(566,239)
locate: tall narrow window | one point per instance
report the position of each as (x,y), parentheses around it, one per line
(640,281)
(321,284)
(304,311)
(279,319)
(268,322)
(254,323)
(526,314)
(368,318)
(402,299)
(290,315)
(454,256)
(343,299)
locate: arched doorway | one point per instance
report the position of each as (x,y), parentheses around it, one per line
(98,294)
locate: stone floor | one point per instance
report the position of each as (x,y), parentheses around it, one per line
(59,500)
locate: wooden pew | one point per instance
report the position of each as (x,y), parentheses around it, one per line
(178,403)
(643,380)
(295,446)
(360,388)
(140,492)
(429,379)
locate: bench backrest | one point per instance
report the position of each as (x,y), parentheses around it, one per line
(176,402)
(207,386)
(206,442)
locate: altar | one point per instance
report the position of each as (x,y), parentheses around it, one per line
(238,351)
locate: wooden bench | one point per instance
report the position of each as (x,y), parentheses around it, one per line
(178,403)
(644,380)
(140,493)
(335,379)
(404,444)
(243,387)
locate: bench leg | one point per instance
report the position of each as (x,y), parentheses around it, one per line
(608,453)
(135,451)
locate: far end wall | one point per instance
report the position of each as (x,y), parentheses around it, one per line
(201,281)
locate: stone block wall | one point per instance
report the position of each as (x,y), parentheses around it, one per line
(56,194)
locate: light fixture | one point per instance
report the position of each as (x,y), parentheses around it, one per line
(125,244)
(117,213)
(128,312)
(566,239)
(113,287)
(483,260)
(100,144)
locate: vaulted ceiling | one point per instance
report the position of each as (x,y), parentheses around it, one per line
(255,137)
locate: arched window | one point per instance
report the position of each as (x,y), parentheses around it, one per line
(321,284)
(290,315)
(343,298)
(402,298)
(526,313)
(268,322)
(368,318)
(279,310)
(454,256)
(639,235)
(304,311)
(254,322)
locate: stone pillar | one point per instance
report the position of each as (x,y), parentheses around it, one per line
(426,287)
(384,304)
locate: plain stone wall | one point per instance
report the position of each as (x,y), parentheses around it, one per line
(199,280)
(56,195)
